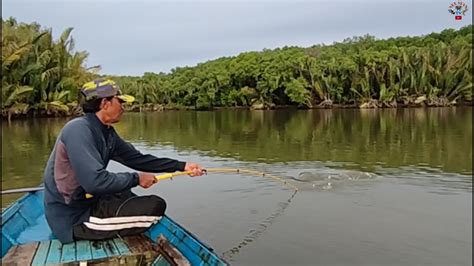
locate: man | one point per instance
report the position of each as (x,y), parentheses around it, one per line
(82,199)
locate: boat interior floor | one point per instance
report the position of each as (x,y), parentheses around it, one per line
(130,250)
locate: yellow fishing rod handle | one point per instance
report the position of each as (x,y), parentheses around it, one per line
(164,176)
(218,170)
(211,170)
(215,170)
(171,175)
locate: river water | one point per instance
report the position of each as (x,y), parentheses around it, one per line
(376,187)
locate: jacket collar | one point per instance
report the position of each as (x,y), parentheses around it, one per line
(97,123)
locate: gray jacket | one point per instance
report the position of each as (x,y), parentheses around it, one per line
(77,165)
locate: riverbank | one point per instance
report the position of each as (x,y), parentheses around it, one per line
(361,72)
(75,111)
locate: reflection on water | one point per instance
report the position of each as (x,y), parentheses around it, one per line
(439,181)
(439,139)
(377,187)
(26,145)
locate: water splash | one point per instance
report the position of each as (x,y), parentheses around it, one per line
(328,179)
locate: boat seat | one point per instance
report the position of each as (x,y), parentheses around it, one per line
(129,250)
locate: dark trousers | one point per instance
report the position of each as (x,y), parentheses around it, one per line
(121,214)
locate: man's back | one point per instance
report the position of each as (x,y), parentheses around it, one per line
(79,158)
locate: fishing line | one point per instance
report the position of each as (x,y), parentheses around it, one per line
(254,234)
(230,170)
(263,226)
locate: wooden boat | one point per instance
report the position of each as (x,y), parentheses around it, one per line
(27,240)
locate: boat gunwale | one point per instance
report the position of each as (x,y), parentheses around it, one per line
(166,222)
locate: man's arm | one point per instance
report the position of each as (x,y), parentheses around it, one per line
(126,154)
(88,165)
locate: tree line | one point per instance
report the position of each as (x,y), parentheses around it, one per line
(42,76)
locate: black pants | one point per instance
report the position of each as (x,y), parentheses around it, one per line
(121,214)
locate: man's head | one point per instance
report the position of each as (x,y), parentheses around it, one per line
(104,98)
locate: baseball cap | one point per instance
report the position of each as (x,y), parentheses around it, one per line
(102,88)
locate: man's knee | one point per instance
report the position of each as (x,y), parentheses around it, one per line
(143,205)
(156,204)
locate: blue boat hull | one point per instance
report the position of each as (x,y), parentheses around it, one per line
(23,223)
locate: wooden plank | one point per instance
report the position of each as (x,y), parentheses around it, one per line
(14,227)
(9,212)
(142,245)
(97,249)
(54,254)
(68,253)
(6,243)
(20,255)
(10,256)
(27,218)
(41,253)
(172,253)
(161,261)
(83,250)
(133,243)
(27,252)
(111,249)
(138,244)
(122,247)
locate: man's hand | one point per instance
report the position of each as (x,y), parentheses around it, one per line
(146,180)
(194,169)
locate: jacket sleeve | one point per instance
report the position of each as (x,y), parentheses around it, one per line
(125,153)
(87,163)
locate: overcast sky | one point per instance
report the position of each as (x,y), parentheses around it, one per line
(133,37)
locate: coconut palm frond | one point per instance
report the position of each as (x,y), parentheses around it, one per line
(17,94)
(10,58)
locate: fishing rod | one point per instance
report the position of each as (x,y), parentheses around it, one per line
(263,226)
(175,174)
(230,170)
(252,236)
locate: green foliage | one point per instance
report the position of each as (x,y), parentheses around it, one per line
(360,70)
(436,68)
(297,92)
(39,74)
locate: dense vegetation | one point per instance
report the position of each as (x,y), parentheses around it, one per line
(39,74)
(42,76)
